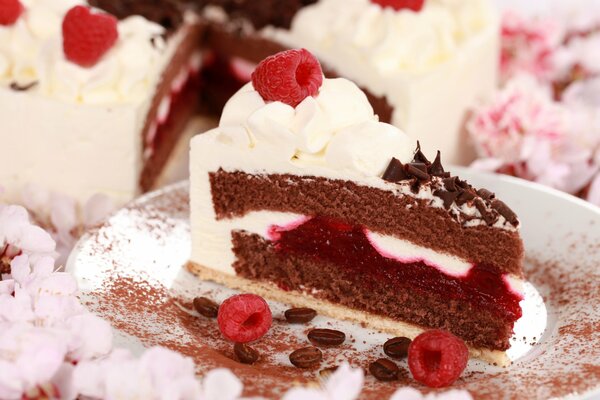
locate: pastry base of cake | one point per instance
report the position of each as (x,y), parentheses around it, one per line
(299,299)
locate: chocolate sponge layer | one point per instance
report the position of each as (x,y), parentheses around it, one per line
(258,260)
(236,194)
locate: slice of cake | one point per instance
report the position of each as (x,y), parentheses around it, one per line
(94,99)
(422,63)
(301,195)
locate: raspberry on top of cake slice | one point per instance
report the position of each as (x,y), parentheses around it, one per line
(303,196)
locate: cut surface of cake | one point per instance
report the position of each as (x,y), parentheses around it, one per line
(303,196)
(94,102)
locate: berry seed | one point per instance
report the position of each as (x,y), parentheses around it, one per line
(326,337)
(306,357)
(397,347)
(206,307)
(384,370)
(300,315)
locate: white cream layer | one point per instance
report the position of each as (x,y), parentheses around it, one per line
(431,66)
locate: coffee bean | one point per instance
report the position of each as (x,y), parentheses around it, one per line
(384,370)
(397,347)
(206,307)
(300,315)
(245,353)
(306,357)
(326,337)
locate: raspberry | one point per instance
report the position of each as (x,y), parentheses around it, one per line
(244,318)
(88,36)
(415,5)
(289,77)
(436,358)
(10,11)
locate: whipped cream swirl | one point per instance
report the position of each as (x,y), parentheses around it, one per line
(31,52)
(337,129)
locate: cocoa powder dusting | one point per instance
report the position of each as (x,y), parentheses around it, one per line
(564,362)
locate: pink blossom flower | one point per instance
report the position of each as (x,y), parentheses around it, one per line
(413,394)
(344,384)
(158,374)
(17,231)
(528,45)
(524,132)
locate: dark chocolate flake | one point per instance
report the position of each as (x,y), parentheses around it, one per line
(436,169)
(465,196)
(395,171)
(418,170)
(505,211)
(447,197)
(490,218)
(22,88)
(419,157)
(485,194)
(450,184)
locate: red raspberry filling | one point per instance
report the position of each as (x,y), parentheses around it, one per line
(414,5)
(88,36)
(244,318)
(436,358)
(10,11)
(289,77)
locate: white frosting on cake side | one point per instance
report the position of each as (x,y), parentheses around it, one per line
(431,66)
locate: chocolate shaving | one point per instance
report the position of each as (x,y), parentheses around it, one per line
(395,172)
(418,170)
(465,196)
(450,184)
(486,194)
(419,157)
(447,197)
(22,88)
(489,217)
(436,169)
(505,211)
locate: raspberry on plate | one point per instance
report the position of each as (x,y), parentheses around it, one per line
(289,77)
(87,36)
(10,11)
(436,358)
(244,318)
(415,5)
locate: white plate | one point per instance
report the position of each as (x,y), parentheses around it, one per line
(131,272)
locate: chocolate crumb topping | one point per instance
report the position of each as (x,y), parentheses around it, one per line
(167,13)
(22,88)
(452,190)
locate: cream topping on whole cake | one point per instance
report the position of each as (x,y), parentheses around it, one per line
(390,40)
(31,53)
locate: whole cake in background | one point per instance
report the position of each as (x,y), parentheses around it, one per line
(95,100)
(421,63)
(302,195)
